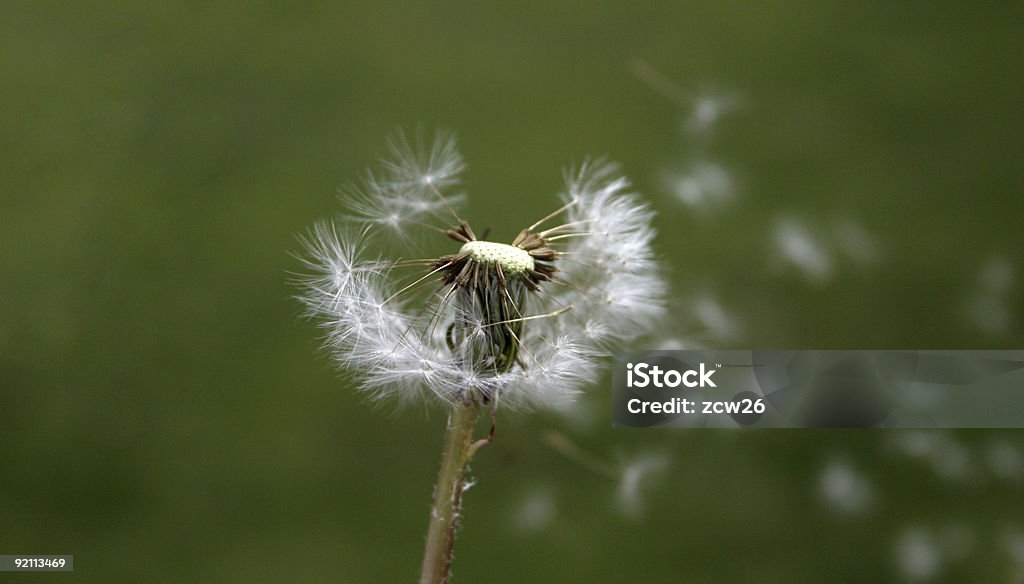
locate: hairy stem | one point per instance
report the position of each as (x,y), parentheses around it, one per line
(458,449)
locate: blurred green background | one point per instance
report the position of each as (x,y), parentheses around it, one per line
(165,416)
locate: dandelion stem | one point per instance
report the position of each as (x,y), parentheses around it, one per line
(459,448)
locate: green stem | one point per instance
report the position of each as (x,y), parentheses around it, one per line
(458,449)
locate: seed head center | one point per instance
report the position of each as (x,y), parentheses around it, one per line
(512,260)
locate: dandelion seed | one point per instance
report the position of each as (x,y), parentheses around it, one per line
(1013,541)
(636,475)
(988,306)
(958,541)
(524,321)
(676,344)
(719,324)
(703,108)
(1005,461)
(918,555)
(855,241)
(948,459)
(996,275)
(535,512)
(795,242)
(703,186)
(708,108)
(845,489)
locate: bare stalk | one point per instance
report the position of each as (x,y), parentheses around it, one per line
(458,450)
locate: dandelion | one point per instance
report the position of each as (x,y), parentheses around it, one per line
(521,324)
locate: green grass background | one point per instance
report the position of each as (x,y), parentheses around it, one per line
(166,417)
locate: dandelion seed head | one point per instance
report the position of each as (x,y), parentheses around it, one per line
(529,320)
(512,260)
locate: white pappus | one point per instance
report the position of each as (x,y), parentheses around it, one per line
(525,323)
